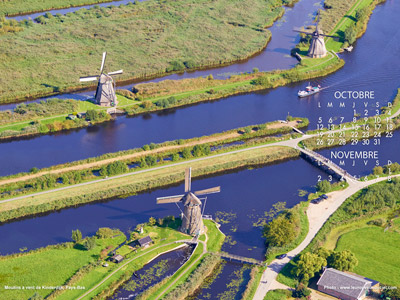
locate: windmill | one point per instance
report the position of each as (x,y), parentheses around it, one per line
(192,219)
(105,92)
(317,45)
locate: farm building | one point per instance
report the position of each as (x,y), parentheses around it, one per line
(145,242)
(117,258)
(345,286)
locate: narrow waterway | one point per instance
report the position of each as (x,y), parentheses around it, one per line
(229,282)
(152,273)
(381,74)
(64,11)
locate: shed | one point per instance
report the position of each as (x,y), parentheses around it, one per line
(81,115)
(343,285)
(71,117)
(145,242)
(117,258)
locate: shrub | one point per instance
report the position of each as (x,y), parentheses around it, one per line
(301,291)
(324,186)
(175,66)
(89,243)
(350,34)
(280,231)
(117,167)
(104,233)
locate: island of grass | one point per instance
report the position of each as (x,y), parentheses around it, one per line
(78,271)
(165,34)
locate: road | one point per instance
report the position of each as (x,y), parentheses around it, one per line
(317,215)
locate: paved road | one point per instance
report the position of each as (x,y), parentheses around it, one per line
(317,215)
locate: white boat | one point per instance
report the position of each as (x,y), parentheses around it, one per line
(349,49)
(310,90)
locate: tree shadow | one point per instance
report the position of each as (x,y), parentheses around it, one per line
(55,88)
(79,247)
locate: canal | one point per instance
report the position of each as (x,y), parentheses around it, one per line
(381,74)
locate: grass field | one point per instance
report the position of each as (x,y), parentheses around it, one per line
(48,57)
(378,253)
(50,267)
(215,237)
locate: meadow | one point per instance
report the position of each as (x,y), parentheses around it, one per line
(50,56)
(50,266)
(377,252)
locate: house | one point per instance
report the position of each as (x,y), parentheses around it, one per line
(117,258)
(343,285)
(145,242)
(81,115)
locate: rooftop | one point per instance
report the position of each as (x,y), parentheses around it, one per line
(343,283)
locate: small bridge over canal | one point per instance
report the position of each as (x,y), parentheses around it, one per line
(240,258)
(321,160)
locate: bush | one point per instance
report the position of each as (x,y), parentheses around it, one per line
(280,231)
(175,66)
(324,186)
(89,243)
(301,291)
(117,167)
(350,34)
(262,80)
(377,222)
(104,233)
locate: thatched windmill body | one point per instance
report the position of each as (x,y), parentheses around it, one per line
(192,217)
(105,92)
(317,44)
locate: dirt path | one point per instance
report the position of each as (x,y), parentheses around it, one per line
(207,139)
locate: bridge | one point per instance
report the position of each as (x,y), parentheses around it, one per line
(323,161)
(240,258)
(297,130)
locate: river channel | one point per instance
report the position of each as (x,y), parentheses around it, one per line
(361,72)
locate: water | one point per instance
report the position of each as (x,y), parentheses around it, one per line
(381,74)
(152,273)
(235,274)
(247,194)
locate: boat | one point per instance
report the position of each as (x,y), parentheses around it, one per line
(310,90)
(349,49)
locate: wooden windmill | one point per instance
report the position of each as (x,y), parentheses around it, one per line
(105,92)
(192,220)
(317,44)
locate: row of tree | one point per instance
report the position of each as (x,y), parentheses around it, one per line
(310,264)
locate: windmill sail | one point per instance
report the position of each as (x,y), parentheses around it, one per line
(169,199)
(192,221)
(105,91)
(213,190)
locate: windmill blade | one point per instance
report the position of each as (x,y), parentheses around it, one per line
(103,62)
(188,179)
(213,190)
(169,199)
(115,72)
(88,78)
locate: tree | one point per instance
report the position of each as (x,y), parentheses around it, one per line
(104,233)
(350,34)
(324,186)
(361,13)
(301,291)
(279,232)
(378,170)
(152,221)
(389,291)
(89,243)
(343,261)
(76,235)
(308,265)
(91,115)
(186,153)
